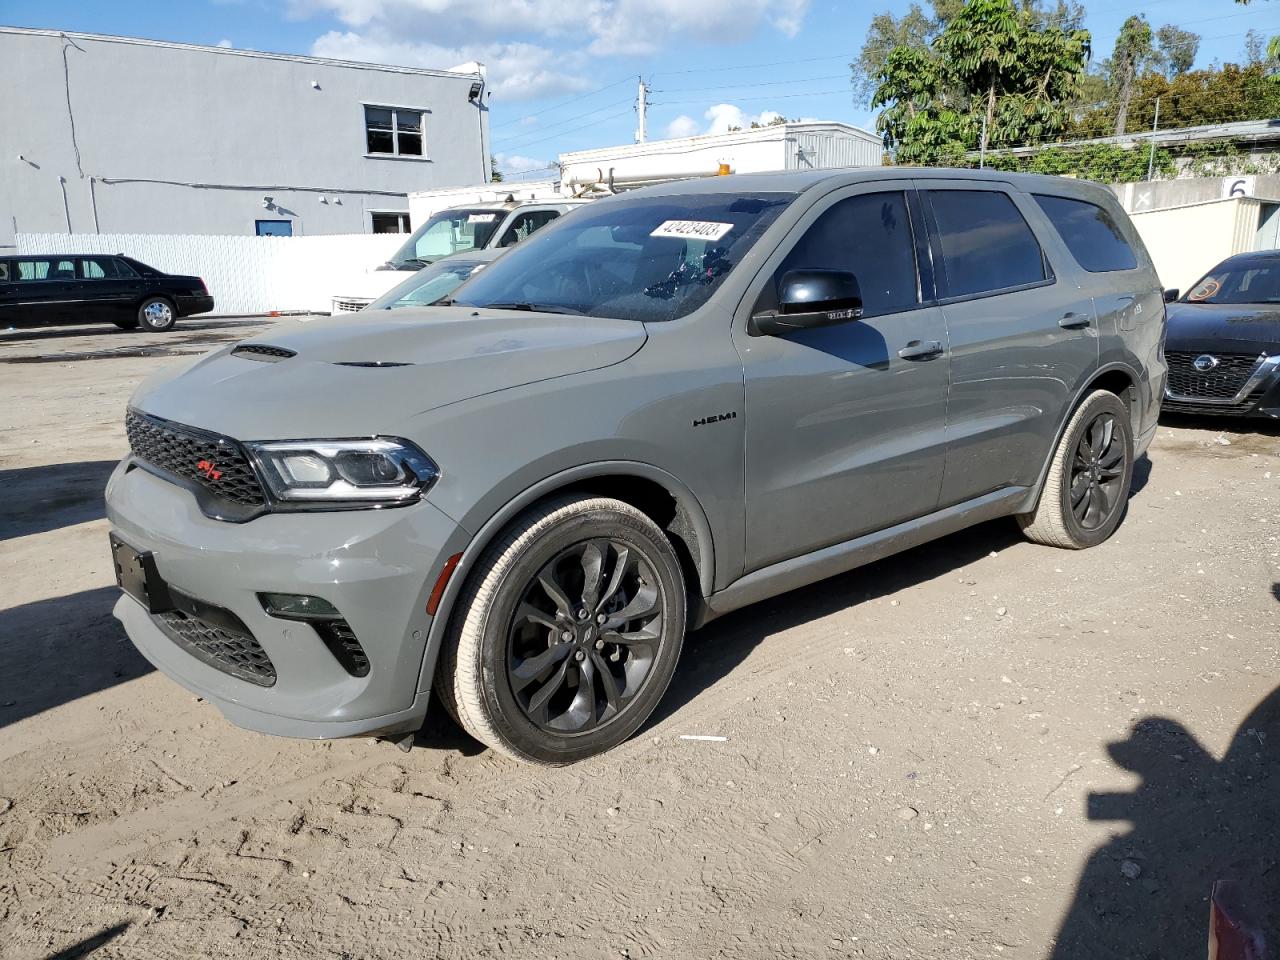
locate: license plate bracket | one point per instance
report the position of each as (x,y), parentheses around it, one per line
(138,576)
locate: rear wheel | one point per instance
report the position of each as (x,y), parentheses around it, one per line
(568,632)
(157,315)
(1087,489)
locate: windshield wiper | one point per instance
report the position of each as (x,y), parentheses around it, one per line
(532,307)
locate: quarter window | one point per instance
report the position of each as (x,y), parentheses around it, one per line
(393,131)
(1090,233)
(869,236)
(4,272)
(104,269)
(986,244)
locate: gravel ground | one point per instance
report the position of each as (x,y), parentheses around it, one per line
(981,748)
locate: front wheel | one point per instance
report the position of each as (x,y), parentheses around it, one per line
(1087,489)
(156,314)
(568,632)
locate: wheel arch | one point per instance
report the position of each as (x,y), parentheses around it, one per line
(1118,378)
(659,495)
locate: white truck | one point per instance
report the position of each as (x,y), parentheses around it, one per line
(476,226)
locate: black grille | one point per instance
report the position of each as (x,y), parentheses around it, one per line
(216,463)
(262,351)
(342,643)
(234,652)
(1223,382)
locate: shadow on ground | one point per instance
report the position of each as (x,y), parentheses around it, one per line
(40,499)
(58,650)
(37,333)
(1193,823)
(88,946)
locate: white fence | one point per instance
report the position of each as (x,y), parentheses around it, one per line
(244,274)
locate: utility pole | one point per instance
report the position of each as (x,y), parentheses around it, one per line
(1155,125)
(982,159)
(642,102)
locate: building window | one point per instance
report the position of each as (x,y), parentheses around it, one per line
(394,131)
(390,222)
(273,228)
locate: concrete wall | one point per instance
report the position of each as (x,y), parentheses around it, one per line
(1162,194)
(244,274)
(224,127)
(1187,242)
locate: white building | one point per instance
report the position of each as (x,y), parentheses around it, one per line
(120,135)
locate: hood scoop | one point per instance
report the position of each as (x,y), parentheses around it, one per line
(263,352)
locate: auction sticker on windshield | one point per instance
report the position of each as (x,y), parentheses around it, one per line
(481,218)
(692,229)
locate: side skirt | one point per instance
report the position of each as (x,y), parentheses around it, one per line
(842,557)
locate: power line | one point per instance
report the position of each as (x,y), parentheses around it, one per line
(562,103)
(562,133)
(765,83)
(560,123)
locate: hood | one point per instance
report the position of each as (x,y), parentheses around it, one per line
(360,375)
(1240,327)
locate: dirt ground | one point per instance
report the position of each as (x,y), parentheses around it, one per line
(982,748)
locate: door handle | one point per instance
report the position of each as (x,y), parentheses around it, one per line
(1074,321)
(921,350)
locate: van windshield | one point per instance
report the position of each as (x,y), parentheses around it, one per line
(449,231)
(642,258)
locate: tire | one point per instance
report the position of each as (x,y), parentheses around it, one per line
(1087,490)
(126,324)
(157,314)
(519,659)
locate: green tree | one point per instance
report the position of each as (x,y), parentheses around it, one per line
(915,29)
(495,175)
(999,73)
(1177,49)
(1133,52)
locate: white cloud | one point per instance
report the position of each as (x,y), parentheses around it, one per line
(513,163)
(517,71)
(720,118)
(225,43)
(602,27)
(682,126)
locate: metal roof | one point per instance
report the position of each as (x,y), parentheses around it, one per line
(1244,131)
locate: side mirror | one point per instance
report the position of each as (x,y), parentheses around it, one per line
(1171,295)
(810,298)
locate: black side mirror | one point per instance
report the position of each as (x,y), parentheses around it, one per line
(1171,295)
(810,298)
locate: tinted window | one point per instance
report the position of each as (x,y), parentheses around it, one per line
(1090,233)
(986,245)
(46,270)
(634,258)
(4,271)
(869,236)
(1251,282)
(100,269)
(525,223)
(123,269)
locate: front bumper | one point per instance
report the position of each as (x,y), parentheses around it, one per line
(189,305)
(377,567)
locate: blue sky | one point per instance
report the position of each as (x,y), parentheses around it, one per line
(563,72)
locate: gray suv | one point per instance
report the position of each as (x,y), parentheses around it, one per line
(662,407)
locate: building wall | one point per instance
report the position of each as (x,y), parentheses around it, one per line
(1161,194)
(220,130)
(1187,242)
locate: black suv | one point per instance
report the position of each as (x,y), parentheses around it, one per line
(70,288)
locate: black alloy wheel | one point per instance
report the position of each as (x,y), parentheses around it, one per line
(585,636)
(1098,472)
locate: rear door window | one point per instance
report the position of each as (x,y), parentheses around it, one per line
(987,246)
(99,269)
(869,236)
(4,271)
(1090,233)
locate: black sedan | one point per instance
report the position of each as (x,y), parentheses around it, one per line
(1223,345)
(68,288)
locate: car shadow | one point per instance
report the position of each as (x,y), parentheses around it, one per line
(1195,829)
(60,649)
(1191,421)
(40,499)
(1142,468)
(712,653)
(90,944)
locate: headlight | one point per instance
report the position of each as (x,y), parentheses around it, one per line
(344,473)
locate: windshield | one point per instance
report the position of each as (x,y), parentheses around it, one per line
(642,258)
(449,231)
(428,285)
(1256,282)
